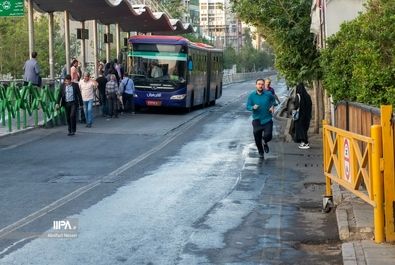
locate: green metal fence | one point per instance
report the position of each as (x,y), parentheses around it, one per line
(17,103)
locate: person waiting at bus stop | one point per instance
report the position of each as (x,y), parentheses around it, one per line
(126,89)
(32,71)
(112,94)
(70,98)
(87,87)
(261,102)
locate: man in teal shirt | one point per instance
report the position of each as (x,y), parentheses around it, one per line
(261,102)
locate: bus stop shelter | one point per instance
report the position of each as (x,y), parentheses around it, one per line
(123,14)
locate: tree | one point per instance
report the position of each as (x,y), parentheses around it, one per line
(176,8)
(230,57)
(14,47)
(195,38)
(359,60)
(286,27)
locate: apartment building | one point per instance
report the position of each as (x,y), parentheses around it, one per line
(219,24)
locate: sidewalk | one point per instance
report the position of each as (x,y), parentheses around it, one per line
(4,130)
(355,227)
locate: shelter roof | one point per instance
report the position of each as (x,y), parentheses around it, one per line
(130,17)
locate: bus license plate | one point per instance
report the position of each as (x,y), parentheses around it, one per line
(155,103)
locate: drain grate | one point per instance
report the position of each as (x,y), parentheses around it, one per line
(298,164)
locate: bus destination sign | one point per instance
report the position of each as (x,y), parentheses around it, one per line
(12,8)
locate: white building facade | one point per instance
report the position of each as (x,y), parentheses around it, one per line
(328,15)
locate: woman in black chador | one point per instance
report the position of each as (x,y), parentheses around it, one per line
(303,103)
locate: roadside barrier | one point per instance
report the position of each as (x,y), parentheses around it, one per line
(239,77)
(364,165)
(17,103)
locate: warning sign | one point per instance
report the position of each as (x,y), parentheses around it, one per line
(347,167)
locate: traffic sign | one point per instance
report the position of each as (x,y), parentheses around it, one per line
(12,8)
(347,168)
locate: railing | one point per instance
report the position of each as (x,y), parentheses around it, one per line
(239,77)
(18,102)
(357,156)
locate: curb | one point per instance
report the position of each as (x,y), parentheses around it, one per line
(20,131)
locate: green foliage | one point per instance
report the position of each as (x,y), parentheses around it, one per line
(192,37)
(13,46)
(230,58)
(248,59)
(175,7)
(359,61)
(286,26)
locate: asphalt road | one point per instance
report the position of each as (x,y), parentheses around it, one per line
(162,188)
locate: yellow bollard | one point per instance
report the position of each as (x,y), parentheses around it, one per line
(378,184)
(325,155)
(389,176)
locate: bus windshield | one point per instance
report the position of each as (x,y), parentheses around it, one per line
(155,62)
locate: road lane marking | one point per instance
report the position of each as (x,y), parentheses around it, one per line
(112,176)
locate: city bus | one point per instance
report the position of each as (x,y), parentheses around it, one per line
(171,71)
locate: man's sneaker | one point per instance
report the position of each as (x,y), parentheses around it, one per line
(304,146)
(261,155)
(266,148)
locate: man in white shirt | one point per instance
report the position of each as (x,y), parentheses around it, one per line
(87,87)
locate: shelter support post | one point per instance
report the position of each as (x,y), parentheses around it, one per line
(118,39)
(83,56)
(67,40)
(95,51)
(50,45)
(108,43)
(30,26)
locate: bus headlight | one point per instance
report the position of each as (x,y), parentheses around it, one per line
(178,97)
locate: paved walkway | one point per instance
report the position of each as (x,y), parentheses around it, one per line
(355,227)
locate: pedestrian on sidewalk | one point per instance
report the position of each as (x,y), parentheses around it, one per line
(261,102)
(32,71)
(70,98)
(74,72)
(87,87)
(268,82)
(304,105)
(101,85)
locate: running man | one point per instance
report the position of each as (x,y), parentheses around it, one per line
(261,102)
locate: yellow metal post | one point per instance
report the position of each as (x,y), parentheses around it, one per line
(325,148)
(378,189)
(389,178)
